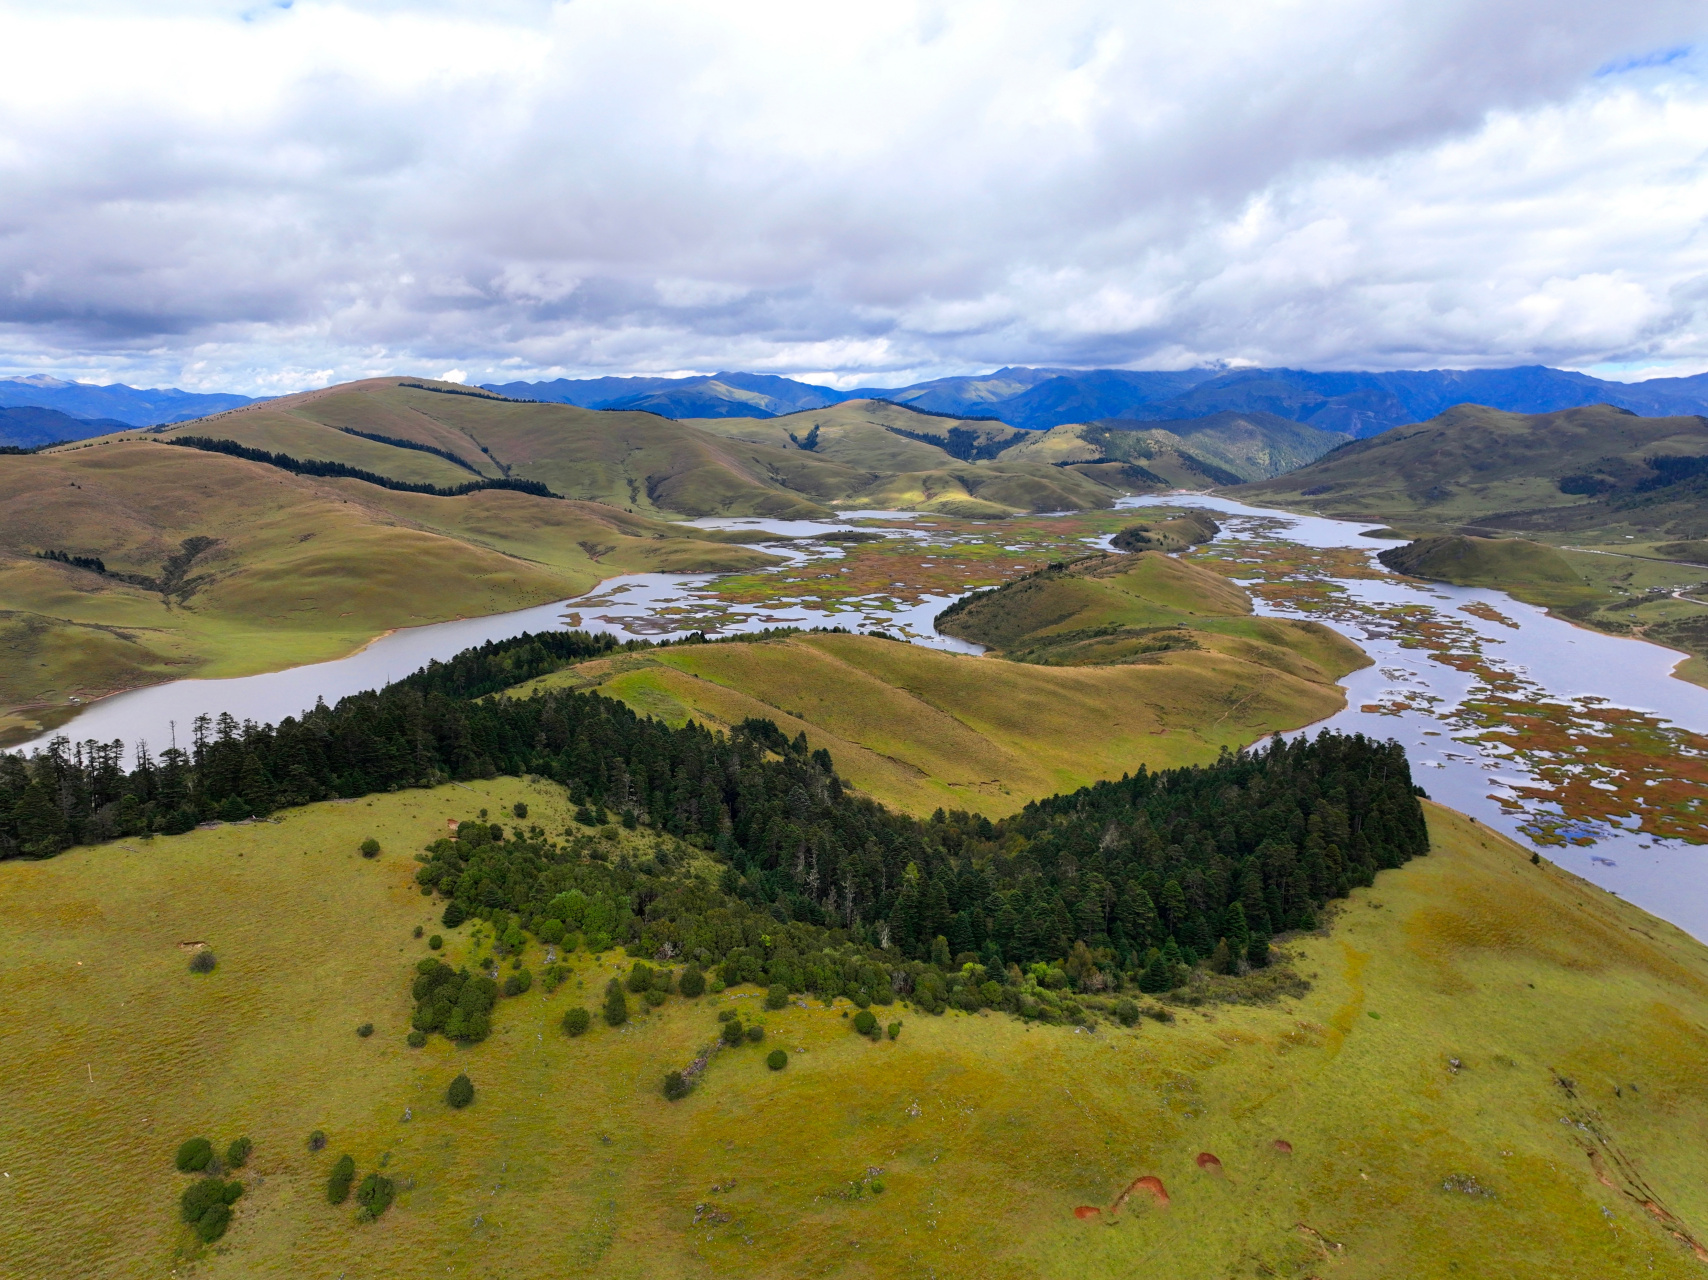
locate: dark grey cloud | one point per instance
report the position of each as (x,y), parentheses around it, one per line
(267,196)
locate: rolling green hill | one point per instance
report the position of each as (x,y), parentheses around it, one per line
(1400,1115)
(873,435)
(1534,573)
(864,453)
(1477,466)
(1223,448)
(216,566)
(1118,609)
(633,461)
(918,728)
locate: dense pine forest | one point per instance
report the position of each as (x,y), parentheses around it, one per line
(812,886)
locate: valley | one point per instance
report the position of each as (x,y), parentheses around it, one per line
(1485,985)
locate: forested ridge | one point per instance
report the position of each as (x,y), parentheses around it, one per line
(1129,879)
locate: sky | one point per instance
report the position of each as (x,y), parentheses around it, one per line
(265,197)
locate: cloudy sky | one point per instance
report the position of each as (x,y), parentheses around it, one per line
(263,197)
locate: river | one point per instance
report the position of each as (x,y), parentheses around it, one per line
(1578,744)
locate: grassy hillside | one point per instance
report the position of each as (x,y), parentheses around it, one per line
(1224,448)
(863,453)
(634,461)
(1456,1013)
(1116,609)
(874,435)
(918,728)
(218,567)
(1534,573)
(1473,465)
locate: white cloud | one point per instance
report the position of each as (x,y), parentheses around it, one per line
(225,196)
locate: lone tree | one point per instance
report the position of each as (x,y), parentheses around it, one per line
(777,1059)
(675,1086)
(338,1182)
(575,1021)
(461,1092)
(203,961)
(370,848)
(616,1004)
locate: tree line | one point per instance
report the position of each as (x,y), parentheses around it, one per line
(1166,868)
(338,471)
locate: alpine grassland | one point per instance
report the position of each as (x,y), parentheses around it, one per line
(216,566)
(919,728)
(1484,1067)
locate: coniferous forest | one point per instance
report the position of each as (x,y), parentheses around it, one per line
(817,888)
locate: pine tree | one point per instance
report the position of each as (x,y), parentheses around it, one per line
(616,1004)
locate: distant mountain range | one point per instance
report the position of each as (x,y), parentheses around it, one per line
(26,427)
(127,406)
(1350,403)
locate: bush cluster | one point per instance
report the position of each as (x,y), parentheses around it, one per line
(456,1003)
(374,1195)
(206,1206)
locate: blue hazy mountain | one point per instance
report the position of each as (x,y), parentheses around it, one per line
(27,426)
(718,395)
(129,406)
(1352,402)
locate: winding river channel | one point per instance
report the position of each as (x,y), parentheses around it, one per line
(1578,744)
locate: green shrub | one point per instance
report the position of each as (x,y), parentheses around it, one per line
(338,1182)
(755,1033)
(732,1032)
(861,999)
(554,975)
(461,1092)
(370,848)
(724,1015)
(212,1224)
(194,1156)
(375,1195)
(454,915)
(419,931)
(616,1004)
(237,1154)
(895,1030)
(519,809)
(365,1030)
(877,1187)
(675,1086)
(317,1140)
(865,1022)
(435,942)
(576,1020)
(416,1039)
(518,983)
(692,983)
(777,1059)
(1126,1013)
(655,997)
(202,1194)
(551,931)
(777,996)
(640,977)
(203,962)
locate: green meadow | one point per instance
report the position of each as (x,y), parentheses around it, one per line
(1486,1067)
